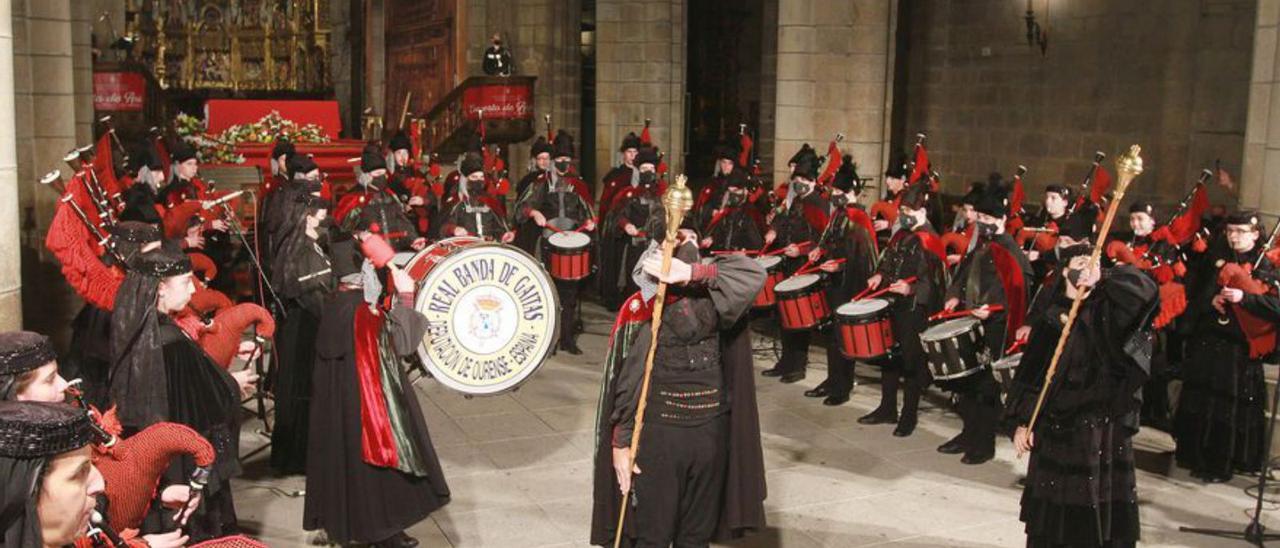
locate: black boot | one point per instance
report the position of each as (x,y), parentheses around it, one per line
(957,445)
(398,540)
(820,391)
(910,408)
(570,344)
(982,443)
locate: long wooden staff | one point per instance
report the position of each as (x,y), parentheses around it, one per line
(1128,166)
(676,202)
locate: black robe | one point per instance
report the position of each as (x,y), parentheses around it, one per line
(1080,488)
(296,349)
(618,250)
(350,499)
(907,256)
(742,507)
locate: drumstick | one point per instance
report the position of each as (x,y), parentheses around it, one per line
(944,315)
(1016,345)
(800,245)
(804,270)
(881,291)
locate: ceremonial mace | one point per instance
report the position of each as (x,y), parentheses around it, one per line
(1128,166)
(676,202)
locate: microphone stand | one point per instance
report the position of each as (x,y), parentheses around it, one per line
(234,223)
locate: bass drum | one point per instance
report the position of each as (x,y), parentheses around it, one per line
(492,314)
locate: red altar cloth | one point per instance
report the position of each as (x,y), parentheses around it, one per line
(330,157)
(220,114)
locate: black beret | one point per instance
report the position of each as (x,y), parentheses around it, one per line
(136,232)
(804,152)
(1141,207)
(282,148)
(846,178)
(630,141)
(725,151)
(1246,217)
(182,152)
(1079,224)
(22,351)
(31,430)
(647,155)
(1061,190)
(371,159)
(994,200)
(400,141)
(302,164)
(161,263)
(563,145)
(471,163)
(976,189)
(540,146)
(898,167)
(807,168)
(915,196)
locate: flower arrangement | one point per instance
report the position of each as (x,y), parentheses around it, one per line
(221,148)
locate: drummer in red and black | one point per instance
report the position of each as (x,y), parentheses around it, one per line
(711,196)
(914,251)
(626,174)
(845,253)
(994,272)
(540,154)
(798,221)
(558,203)
(622,236)
(412,190)
(476,213)
(735,223)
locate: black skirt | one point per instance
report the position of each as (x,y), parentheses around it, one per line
(296,352)
(1080,488)
(1220,422)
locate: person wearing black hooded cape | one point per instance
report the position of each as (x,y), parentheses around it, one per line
(702,466)
(303,279)
(372,471)
(1080,487)
(160,373)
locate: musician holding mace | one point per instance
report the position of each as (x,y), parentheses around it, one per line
(681,375)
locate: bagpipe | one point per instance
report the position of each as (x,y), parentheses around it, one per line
(1253,279)
(887,208)
(53,180)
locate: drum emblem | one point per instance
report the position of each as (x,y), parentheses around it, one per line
(486,320)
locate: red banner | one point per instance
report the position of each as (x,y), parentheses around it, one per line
(118,91)
(499,101)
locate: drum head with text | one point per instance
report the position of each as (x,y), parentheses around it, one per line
(492,315)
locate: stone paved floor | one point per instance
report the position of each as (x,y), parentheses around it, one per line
(519,468)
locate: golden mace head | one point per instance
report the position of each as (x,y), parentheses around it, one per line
(1128,166)
(676,201)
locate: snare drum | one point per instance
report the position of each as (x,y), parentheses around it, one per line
(864,328)
(568,255)
(955,348)
(492,314)
(802,302)
(772,265)
(1004,368)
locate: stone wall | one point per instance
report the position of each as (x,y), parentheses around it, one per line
(834,58)
(1170,76)
(640,73)
(10,272)
(1262,139)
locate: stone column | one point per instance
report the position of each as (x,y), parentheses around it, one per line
(834,74)
(82,17)
(1261,171)
(10,255)
(640,73)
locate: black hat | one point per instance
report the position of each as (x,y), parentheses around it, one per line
(22,351)
(805,151)
(647,155)
(737,179)
(897,167)
(846,178)
(1079,224)
(301,164)
(976,189)
(345,257)
(30,430)
(539,146)
(915,196)
(136,232)
(630,141)
(161,263)
(1246,217)
(144,156)
(1072,251)
(1142,207)
(283,148)
(725,151)
(563,145)
(995,200)
(182,152)
(371,159)
(400,141)
(471,163)
(807,168)
(1060,190)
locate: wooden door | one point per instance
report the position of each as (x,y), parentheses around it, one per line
(421,47)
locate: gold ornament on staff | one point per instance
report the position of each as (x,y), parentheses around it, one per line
(1128,166)
(676,202)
